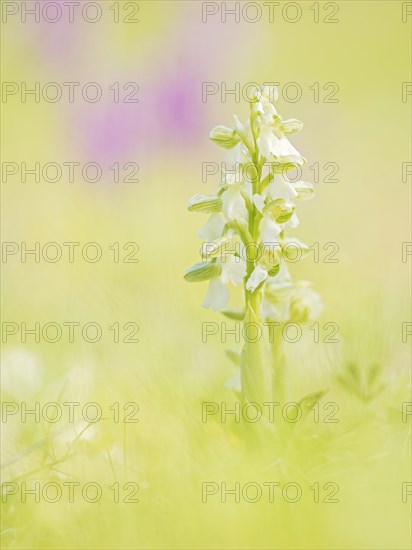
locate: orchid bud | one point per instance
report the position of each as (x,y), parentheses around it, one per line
(203,271)
(216,248)
(304,190)
(205,204)
(291,126)
(224,137)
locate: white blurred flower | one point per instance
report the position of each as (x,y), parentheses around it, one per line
(21,374)
(79,381)
(286,301)
(306,304)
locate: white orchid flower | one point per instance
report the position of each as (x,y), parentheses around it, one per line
(293,222)
(259,274)
(233,270)
(212,229)
(270,230)
(230,268)
(233,203)
(276,149)
(267,263)
(217,296)
(272,141)
(281,188)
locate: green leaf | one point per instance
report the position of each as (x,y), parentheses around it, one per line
(234,356)
(236,314)
(309,400)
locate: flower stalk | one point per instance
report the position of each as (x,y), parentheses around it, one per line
(249,217)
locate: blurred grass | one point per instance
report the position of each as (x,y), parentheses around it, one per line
(170,372)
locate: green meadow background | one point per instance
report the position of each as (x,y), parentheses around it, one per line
(170,372)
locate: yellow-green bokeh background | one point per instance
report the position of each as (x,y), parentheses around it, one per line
(170,52)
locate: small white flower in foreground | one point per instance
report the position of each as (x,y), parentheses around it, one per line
(305,304)
(21,374)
